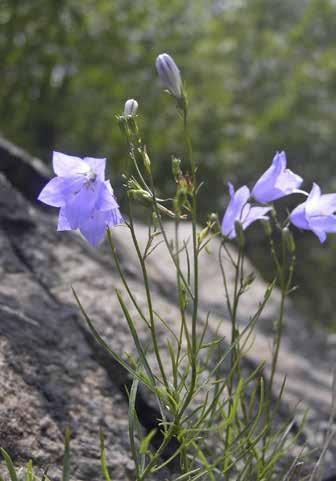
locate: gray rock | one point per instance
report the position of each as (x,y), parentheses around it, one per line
(54,374)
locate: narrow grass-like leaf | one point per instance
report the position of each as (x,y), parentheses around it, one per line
(107,348)
(132,419)
(29,471)
(9,464)
(136,339)
(146,441)
(103,460)
(190,473)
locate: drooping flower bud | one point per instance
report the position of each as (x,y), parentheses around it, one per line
(131,108)
(169,74)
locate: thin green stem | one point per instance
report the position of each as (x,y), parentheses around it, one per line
(193,354)
(149,302)
(181,298)
(235,353)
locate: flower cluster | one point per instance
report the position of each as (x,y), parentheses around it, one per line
(315,214)
(85,198)
(87,203)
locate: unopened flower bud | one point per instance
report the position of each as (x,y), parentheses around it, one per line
(180,199)
(169,74)
(288,239)
(240,233)
(146,160)
(201,236)
(138,194)
(131,108)
(176,167)
(214,222)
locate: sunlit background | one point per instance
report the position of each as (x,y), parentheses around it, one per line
(260,76)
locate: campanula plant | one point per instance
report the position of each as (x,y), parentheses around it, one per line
(219,419)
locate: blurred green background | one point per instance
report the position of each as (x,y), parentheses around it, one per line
(260,75)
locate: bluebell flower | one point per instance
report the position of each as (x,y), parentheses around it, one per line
(239,209)
(85,198)
(277,181)
(169,74)
(317,213)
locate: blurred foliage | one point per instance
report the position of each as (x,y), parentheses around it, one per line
(261,76)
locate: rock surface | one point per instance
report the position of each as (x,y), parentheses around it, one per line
(54,375)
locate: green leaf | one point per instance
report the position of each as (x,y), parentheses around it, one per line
(136,339)
(9,464)
(132,418)
(29,471)
(146,441)
(103,457)
(107,348)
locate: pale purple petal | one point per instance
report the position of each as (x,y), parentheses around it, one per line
(81,207)
(255,213)
(327,223)
(322,225)
(97,165)
(327,203)
(314,194)
(114,217)
(316,213)
(231,190)
(320,234)
(105,200)
(109,186)
(239,199)
(298,217)
(94,228)
(234,209)
(280,161)
(288,182)
(318,204)
(61,190)
(277,181)
(63,223)
(264,187)
(313,203)
(68,165)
